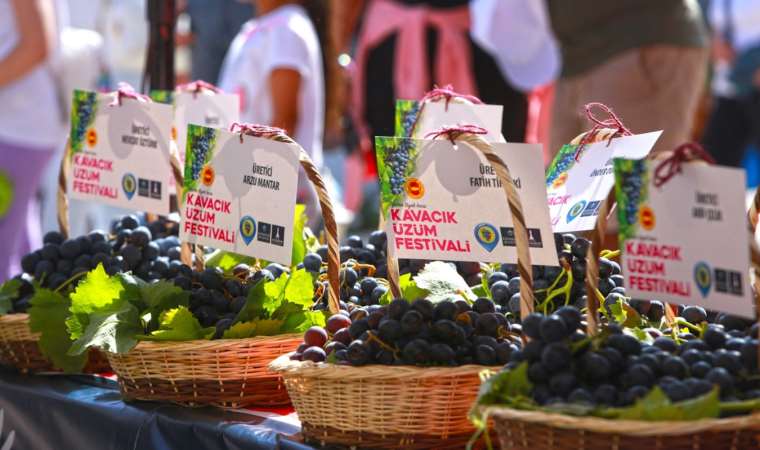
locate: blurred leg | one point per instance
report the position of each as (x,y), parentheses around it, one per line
(566,122)
(728,132)
(23,167)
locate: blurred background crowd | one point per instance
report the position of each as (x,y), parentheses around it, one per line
(329,72)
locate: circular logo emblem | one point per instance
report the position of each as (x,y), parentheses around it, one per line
(174,133)
(247,229)
(486,235)
(129,184)
(208,175)
(91,137)
(414,188)
(575,210)
(647,218)
(703,278)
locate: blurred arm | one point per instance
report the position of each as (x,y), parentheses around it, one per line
(285,86)
(35,22)
(345,14)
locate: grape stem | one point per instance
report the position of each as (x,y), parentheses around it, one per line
(70,280)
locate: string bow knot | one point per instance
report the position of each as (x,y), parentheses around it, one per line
(198,86)
(452,133)
(256,130)
(613,121)
(672,166)
(125,90)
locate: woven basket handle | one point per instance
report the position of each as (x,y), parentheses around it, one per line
(752,220)
(325,204)
(62,201)
(524,266)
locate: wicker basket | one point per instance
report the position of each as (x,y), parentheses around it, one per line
(532,430)
(389,407)
(227,372)
(19,349)
(399,407)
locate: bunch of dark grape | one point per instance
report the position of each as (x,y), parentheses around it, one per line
(421,333)
(561,166)
(631,184)
(60,260)
(504,284)
(200,143)
(216,298)
(151,252)
(396,160)
(84,108)
(357,287)
(565,367)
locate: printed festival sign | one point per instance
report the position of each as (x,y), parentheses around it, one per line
(239,193)
(119,151)
(445,202)
(685,241)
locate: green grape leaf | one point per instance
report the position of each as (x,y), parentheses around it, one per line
(299,239)
(479,290)
(268,327)
(300,288)
(258,327)
(240,330)
(656,406)
(178,324)
(113,329)
(8,291)
(96,292)
(409,290)
(274,293)
(640,334)
(162,296)
(442,281)
(303,320)
(484,283)
(227,260)
(254,304)
(47,316)
(507,387)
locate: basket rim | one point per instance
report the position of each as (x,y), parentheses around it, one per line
(203,344)
(287,367)
(639,428)
(14,317)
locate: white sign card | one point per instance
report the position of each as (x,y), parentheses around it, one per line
(445,202)
(215,110)
(685,241)
(577,188)
(119,153)
(239,195)
(436,115)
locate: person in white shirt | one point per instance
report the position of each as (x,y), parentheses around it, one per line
(276,66)
(31,122)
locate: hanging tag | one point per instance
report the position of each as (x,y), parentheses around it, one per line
(577,188)
(445,202)
(239,193)
(119,151)
(685,240)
